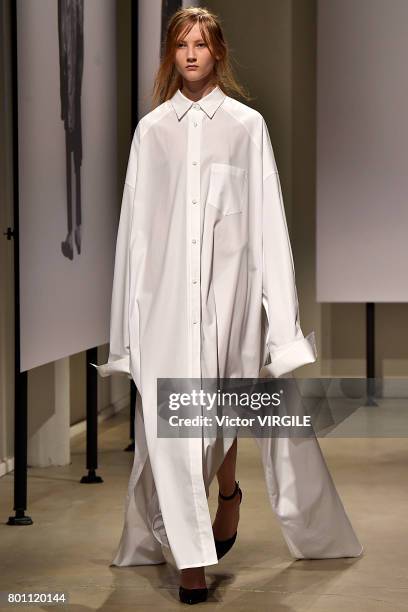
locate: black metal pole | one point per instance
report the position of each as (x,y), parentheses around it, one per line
(134,112)
(91,418)
(133,390)
(20,378)
(134,73)
(370,353)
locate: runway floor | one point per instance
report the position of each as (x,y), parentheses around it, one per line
(77,528)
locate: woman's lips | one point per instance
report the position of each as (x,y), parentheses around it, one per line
(192,67)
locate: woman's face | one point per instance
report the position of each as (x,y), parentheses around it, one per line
(192,51)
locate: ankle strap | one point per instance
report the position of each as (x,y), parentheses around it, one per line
(232,494)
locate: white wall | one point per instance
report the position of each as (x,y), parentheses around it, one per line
(362,151)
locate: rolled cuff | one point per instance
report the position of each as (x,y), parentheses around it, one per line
(114,366)
(291,356)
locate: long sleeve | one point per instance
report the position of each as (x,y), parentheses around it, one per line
(286,345)
(119,351)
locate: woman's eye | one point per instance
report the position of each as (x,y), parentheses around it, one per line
(198,45)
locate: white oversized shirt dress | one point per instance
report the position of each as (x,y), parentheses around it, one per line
(204,286)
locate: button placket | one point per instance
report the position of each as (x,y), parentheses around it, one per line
(193,199)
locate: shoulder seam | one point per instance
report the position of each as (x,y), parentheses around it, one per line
(143,133)
(225,108)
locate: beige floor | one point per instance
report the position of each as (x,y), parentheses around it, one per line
(76,530)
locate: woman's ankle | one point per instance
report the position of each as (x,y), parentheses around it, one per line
(229,492)
(227,489)
(193,578)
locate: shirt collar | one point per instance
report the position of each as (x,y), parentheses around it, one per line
(209,103)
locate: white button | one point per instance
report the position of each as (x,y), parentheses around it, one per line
(194,163)
(194,241)
(194,281)
(196,105)
(195,322)
(194,201)
(195,123)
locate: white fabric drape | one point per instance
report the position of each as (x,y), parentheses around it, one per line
(204,286)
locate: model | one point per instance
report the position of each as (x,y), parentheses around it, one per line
(204,286)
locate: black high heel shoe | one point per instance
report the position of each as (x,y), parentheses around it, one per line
(223,546)
(192,596)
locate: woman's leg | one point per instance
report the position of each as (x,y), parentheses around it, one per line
(227,517)
(226,473)
(226,520)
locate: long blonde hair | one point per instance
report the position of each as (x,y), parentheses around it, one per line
(168,79)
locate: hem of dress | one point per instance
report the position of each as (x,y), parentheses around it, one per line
(339,556)
(200,564)
(136,564)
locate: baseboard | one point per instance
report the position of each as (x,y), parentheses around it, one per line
(7,464)
(104,414)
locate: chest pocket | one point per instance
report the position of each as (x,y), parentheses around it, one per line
(227,188)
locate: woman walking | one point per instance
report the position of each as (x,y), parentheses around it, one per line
(204,286)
